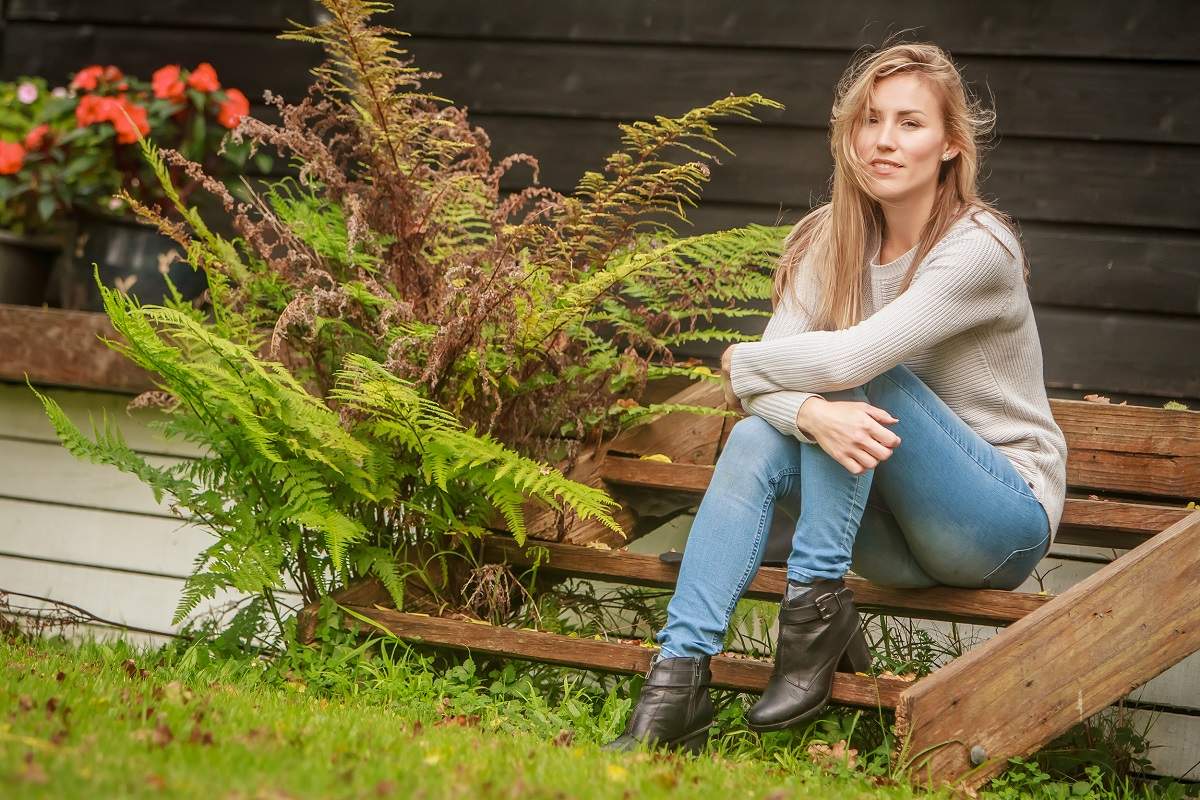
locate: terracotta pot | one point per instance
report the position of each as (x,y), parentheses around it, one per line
(132,257)
(25,267)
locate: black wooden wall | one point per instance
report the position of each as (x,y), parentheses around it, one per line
(1097,153)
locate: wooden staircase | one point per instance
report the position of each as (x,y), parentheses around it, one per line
(1060,659)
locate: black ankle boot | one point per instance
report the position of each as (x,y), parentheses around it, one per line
(673,710)
(818,632)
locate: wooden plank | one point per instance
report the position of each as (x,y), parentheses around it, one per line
(1076,655)
(1073,265)
(793,166)
(728,672)
(1127,429)
(1088,521)
(60,347)
(46,472)
(606,81)
(990,606)
(144,601)
(1136,353)
(1030,177)
(1147,29)
(242,58)
(684,438)
(1175,740)
(270,15)
(22,417)
(102,539)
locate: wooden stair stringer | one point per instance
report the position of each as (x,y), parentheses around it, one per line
(1076,655)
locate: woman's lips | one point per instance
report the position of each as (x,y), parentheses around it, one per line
(885,169)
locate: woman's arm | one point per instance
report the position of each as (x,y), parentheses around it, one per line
(779,408)
(966,282)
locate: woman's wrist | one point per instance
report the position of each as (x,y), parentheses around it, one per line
(806,413)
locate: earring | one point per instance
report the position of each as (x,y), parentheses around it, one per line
(946,157)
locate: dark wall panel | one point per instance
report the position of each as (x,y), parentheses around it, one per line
(1097,140)
(1144,29)
(1089,100)
(1036,180)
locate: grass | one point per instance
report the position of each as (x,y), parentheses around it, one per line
(356,720)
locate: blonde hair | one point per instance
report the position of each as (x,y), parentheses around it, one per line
(836,234)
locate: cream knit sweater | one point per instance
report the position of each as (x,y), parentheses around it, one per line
(965,326)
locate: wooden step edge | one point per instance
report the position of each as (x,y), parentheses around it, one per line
(728,672)
(985,606)
(1083,519)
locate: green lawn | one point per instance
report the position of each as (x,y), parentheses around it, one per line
(108,721)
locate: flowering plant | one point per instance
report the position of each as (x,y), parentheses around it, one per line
(74,148)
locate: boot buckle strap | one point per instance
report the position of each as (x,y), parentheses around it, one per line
(828,604)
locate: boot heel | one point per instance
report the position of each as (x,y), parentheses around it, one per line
(695,743)
(856,657)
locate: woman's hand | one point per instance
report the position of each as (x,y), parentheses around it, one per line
(731,399)
(851,432)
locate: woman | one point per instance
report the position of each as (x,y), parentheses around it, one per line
(896,400)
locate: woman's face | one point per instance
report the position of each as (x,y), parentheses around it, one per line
(902,139)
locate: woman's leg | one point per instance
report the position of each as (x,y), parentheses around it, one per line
(947,505)
(725,545)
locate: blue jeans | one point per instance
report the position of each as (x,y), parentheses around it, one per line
(946,508)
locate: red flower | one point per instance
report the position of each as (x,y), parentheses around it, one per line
(87,78)
(12,157)
(204,78)
(166,83)
(94,108)
(128,127)
(233,109)
(37,137)
(111,74)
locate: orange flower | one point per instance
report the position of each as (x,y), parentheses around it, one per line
(37,137)
(204,78)
(12,157)
(87,78)
(233,109)
(166,83)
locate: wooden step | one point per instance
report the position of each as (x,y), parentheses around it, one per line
(1097,523)
(985,606)
(729,672)
(1130,449)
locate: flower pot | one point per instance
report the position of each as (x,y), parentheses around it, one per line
(25,266)
(132,257)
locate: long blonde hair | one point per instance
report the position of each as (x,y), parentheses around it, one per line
(837,234)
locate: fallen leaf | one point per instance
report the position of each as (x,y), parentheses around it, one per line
(659,457)
(199,736)
(162,735)
(598,546)
(32,772)
(564,738)
(1096,398)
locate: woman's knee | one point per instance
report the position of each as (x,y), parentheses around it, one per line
(755,449)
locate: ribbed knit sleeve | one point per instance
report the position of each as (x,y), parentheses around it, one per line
(780,409)
(966,280)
